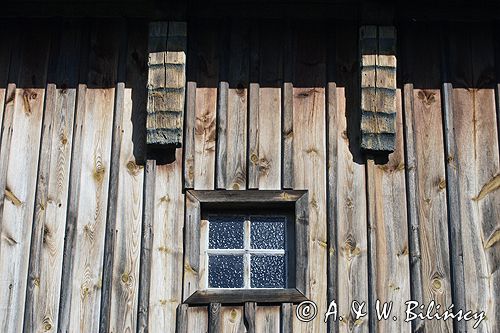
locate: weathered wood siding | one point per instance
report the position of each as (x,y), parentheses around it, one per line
(91,231)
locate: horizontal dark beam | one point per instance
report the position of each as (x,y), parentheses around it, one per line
(232,296)
(450,10)
(250,196)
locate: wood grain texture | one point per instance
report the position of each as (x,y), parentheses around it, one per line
(167,250)
(351,229)
(428,191)
(232,319)
(388,234)
(214,317)
(237,103)
(20,142)
(378,84)
(42,299)
(148,218)
(350,196)
(129,196)
(309,153)
(474,129)
(93,179)
(267,319)
(166,83)
(197,319)
(249,312)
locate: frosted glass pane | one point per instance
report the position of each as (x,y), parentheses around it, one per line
(225,232)
(267,271)
(267,232)
(225,271)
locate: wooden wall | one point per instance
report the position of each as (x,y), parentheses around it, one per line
(269,105)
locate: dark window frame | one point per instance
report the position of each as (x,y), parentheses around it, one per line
(199,203)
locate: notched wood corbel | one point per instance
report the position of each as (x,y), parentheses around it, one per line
(166,84)
(378,88)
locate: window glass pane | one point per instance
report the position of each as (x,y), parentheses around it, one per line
(267,271)
(267,232)
(225,271)
(225,232)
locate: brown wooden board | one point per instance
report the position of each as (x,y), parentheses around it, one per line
(350,196)
(309,154)
(42,298)
(474,130)
(388,235)
(20,143)
(81,308)
(426,179)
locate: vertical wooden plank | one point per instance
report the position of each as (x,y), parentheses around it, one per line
(181,320)
(214,322)
(388,233)
(146,245)
(222,107)
(95,151)
(267,319)
(253,108)
(309,153)
(268,158)
(166,257)
(427,189)
(130,98)
(232,319)
(350,211)
(42,299)
(197,319)
(286,318)
(236,121)
(74,186)
(287,102)
(250,308)
(112,209)
(8,29)
(332,157)
(20,144)
(204,124)
(473,129)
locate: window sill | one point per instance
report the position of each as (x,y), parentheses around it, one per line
(207,296)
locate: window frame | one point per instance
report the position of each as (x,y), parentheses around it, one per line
(200,203)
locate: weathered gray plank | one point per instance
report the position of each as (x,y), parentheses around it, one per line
(309,153)
(167,248)
(124,280)
(148,222)
(287,122)
(286,318)
(236,117)
(42,298)
(378,87)
(474,129)
(192,251)
(181,320)
(388,235)
(249,311)
(88,250)
(214,318)
(429,195)
(166,83)
(20,144)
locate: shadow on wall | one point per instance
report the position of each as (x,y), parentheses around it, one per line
(99,54)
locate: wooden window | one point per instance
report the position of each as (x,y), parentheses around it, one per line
(243,246)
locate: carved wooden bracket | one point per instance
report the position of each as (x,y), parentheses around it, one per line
(378,87)
(166,83)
